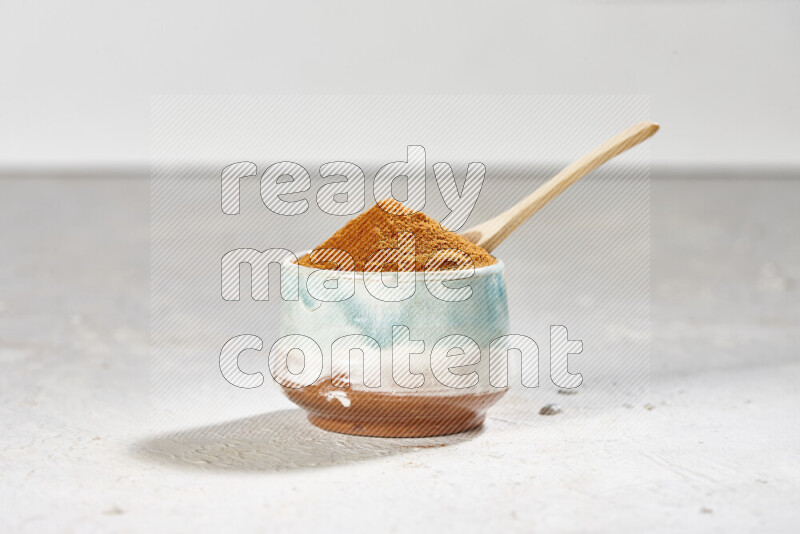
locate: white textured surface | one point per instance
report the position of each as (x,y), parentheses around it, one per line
(713,447)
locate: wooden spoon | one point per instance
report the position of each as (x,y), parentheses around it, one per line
(491,233)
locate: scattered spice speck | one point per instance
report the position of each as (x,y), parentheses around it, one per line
(550,409)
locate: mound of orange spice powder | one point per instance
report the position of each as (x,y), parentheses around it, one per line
(377,229)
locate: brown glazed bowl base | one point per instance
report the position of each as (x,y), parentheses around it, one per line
(390,415)
(398,428)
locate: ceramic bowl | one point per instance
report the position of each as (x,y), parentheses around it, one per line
(398,393)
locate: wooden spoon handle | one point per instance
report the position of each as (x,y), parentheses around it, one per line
(492,232)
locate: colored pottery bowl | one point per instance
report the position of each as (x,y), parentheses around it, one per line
(399,355)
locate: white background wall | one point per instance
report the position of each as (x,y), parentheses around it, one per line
(77,77)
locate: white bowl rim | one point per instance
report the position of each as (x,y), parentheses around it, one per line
(479,272)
